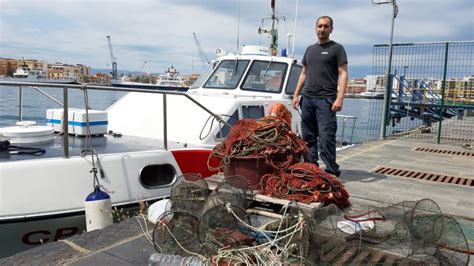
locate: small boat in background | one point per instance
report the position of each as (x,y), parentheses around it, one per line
(170,80)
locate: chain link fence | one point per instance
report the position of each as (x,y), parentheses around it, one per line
(430,92)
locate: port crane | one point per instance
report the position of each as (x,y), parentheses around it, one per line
(143,66)
(204,60)
(112,59)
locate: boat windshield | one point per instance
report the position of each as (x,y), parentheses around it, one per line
(293,79)
(227,75)
(204,75)
(265,76)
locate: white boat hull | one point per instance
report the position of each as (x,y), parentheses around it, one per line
(46,202)
(23,234)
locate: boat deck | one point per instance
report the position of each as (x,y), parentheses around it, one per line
(124,244)
(105,144)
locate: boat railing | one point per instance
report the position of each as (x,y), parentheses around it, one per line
(345,119)
(64,104)
(66,87)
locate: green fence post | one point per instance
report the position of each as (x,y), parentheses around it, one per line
(443,89)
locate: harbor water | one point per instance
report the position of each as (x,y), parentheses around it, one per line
(35,105)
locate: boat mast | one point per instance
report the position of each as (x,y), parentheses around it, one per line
(274,31)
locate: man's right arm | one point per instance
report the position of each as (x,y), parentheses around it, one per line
(299,86)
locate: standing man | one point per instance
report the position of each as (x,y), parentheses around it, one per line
(324,70)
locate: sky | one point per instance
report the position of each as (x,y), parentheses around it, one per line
(160,32)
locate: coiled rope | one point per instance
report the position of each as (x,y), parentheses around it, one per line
(269,253)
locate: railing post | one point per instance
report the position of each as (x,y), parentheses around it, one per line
(342,130)
(165,124)
(20,104)
(353,127)
(387,100)
(443,89)
(65,123)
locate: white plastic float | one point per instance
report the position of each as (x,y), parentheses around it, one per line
(27,132)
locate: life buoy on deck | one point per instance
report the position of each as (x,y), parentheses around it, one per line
(281,111)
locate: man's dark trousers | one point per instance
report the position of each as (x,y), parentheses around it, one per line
(317,120)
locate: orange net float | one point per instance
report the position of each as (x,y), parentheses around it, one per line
(279,110)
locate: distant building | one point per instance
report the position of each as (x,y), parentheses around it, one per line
(56,71)
(8,66)
(356,86)
(83,69)
(60,70)
(456,89)
(189,79)
(375,83)
(98,78)
(30,63)
(470,81)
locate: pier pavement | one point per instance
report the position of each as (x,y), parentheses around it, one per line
(125,244)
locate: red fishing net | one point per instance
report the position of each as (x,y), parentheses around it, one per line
(271,141)
(305,183)
(269,138)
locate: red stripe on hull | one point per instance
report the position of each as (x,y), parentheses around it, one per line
(194,161)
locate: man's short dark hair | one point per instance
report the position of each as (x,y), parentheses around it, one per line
(326,17)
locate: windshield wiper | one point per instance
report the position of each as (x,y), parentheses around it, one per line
(266,69)
(236,64)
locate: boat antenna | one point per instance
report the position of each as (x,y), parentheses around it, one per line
(238,27)
(294,31)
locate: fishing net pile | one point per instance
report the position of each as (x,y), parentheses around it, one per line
(221,229)
(269,138)
(274,153)
(305,183)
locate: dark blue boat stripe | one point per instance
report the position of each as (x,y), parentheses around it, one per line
(77,123)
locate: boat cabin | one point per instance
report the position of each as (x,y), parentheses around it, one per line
(252,72)
(233,86)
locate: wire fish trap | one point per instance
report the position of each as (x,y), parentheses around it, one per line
(409,232)
(451,244)
(279,242)
(189,195)
(219,228)
(293,233)
(223,215)
(175,233)
(324,237)
(235,190)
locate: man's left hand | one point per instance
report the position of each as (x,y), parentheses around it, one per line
(337,105)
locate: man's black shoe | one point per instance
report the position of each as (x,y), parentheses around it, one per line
(334,174)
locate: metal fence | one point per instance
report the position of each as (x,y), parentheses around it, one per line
(430,92)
